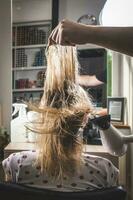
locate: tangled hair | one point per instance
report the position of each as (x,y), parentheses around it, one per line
(62,108)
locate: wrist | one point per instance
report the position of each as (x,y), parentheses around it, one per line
(90,34)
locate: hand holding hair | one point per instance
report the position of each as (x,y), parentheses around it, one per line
(70,33)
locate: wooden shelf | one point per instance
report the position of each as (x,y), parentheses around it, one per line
(29,46)
(21,146)
(28,68)
(123,126)
(27,89)
(41,22)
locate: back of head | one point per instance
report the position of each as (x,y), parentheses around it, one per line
(62,109)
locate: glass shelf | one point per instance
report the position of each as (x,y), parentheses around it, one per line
(28,59)
(28,68)
(29,46)
(27,89)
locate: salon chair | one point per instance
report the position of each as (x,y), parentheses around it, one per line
(20,192)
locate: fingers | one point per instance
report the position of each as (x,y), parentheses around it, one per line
(57,36)
(52,37)
(60,34)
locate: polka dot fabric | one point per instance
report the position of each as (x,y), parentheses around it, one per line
(96,172)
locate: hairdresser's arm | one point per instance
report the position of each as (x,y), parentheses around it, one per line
(115,38)
(87,80)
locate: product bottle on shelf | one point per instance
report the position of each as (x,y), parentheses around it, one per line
(31,98)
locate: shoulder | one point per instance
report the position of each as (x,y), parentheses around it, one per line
(102,162)
(89,157)
(19,158)
(103,165)
(16,161)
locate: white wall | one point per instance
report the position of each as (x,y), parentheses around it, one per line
(123,86)
(31,10)
(73,9)
(5,62)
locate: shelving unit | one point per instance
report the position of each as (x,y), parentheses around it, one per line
(29,62)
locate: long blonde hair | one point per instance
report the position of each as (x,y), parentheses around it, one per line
(62,109)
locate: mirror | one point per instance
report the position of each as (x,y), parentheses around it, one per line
(32,24)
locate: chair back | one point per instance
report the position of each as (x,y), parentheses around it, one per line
(20,192)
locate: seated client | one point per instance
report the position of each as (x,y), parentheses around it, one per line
(59,163)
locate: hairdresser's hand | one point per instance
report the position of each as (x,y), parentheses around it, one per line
(69,33)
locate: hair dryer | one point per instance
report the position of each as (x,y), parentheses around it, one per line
(113,140)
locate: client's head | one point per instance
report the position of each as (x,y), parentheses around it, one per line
(63,106)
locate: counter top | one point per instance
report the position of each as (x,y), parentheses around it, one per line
(30,146)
